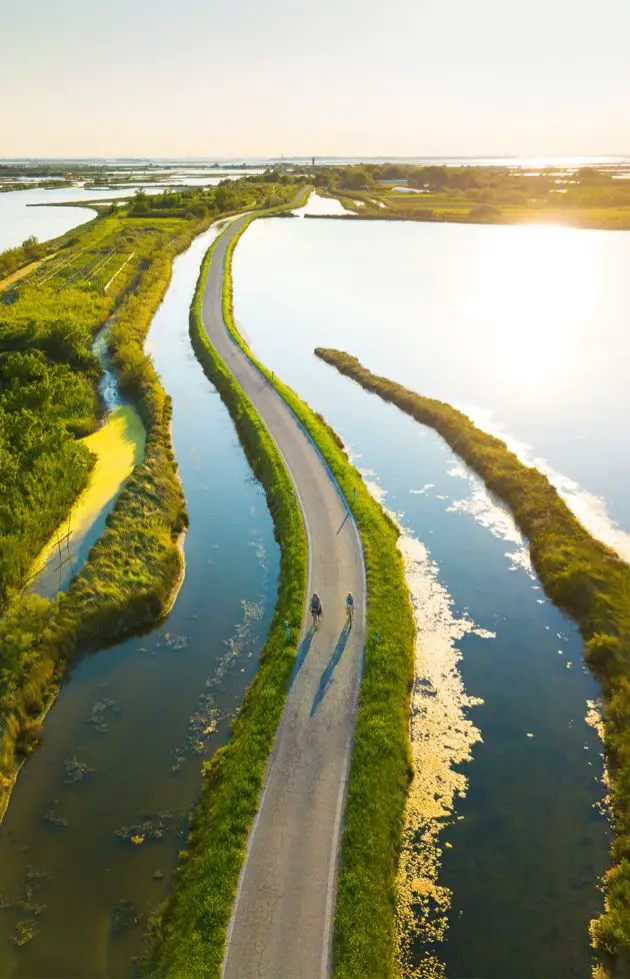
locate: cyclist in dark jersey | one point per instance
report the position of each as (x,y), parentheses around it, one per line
(316,607)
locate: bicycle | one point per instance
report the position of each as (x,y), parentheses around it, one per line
(349,610)
(316,609)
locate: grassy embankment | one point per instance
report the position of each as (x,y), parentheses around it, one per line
(47,377)
(192,935)
(580,574)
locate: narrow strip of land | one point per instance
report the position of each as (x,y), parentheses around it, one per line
(282,920)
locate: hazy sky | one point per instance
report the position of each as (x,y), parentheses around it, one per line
(342,77)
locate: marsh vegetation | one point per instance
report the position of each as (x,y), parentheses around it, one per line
(580,574)
(117,267)
(365,920)
(586,197)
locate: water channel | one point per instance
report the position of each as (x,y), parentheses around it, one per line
(506,833)
(507,840)
(119,446)
(142,715)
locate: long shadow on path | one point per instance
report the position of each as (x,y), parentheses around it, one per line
(327,675)
(305,645)
(343,522)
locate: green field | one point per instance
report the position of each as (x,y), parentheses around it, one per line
(590,197)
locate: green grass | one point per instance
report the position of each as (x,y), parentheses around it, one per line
(191,934)
(590,197)
(582,576)
(48,374)
(456,206)
(133,570)
(364,939)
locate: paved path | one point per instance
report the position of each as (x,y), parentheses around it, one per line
(281,925)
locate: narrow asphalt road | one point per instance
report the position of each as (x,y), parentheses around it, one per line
(281,925)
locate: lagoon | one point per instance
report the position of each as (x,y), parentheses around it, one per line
(522,327)
(507,839)
(506,832)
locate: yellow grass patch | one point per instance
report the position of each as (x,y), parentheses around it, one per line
(22,273)
(118,447)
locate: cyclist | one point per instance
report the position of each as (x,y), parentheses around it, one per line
(316,608)
(349,606)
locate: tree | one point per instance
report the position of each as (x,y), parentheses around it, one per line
(393,171)
(31,248)
(433,177)
(140,203)
(355,178)
(224,198)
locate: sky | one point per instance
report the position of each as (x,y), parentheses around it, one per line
(237,78)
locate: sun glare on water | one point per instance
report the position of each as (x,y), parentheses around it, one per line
(536,300)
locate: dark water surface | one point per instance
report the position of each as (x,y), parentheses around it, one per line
(143,714)
(516,832)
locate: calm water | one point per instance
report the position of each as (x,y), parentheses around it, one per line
(525,328)
(19,218)
(142,714)
(521,836)
(522,841)
(18,221)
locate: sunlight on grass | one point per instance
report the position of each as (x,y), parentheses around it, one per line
(23,272)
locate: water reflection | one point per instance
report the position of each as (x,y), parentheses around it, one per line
(534,293)
(505,840)
(522,327)
(316,204)
(118,445)
(18,221)
(99,812)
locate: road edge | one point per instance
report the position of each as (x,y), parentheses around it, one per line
(365,940)
(182,943)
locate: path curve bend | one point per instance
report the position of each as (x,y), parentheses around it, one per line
(281,926)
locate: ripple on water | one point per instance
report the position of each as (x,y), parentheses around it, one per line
(493,515)
(590,509)
(442,736)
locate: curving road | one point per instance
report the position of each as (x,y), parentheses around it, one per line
(281,925)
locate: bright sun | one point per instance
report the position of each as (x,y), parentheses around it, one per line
(534,299)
